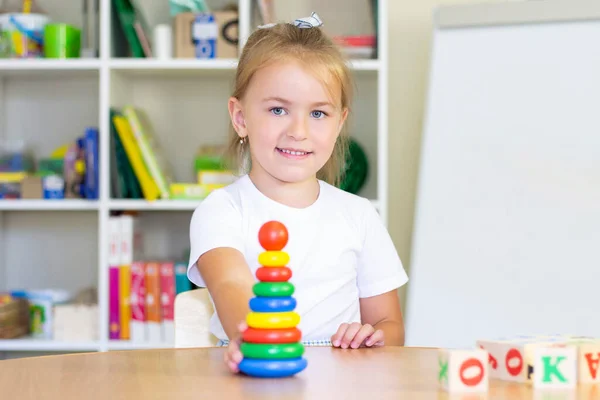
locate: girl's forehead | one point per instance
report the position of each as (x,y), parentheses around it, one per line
(298,79)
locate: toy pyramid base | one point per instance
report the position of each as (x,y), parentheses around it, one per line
(272,368)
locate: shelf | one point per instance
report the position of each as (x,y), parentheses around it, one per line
(127,345)
(48,103)
(158,205)
(46,345)
(165,205)
(42,67)
(48,205)
(179,67)
(172,67)
(175,63)
(375,204)
(365,65)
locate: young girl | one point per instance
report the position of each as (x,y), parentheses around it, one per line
(288,110)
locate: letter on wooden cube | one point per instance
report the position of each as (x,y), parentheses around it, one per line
(555,367)
(463,370)
(506,359)
(588,359)
(513,359)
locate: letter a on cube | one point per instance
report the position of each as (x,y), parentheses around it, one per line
(589,361)
(463,370)
(588,355)
(555,367)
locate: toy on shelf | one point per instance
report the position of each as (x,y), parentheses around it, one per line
(22,24)
(356,168)
(211,172)
(41,309)
(210,167)
(71,171)
(271,346)
(16,163)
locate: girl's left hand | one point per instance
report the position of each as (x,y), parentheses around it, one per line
(356,335)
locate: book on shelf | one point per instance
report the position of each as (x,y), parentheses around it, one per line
(141,291)
(126,138)
(152,153)
(142,170)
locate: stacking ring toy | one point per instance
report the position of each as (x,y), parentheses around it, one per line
(272,320)
(273,274)
(268,351)
(273,289)
(272,368)
(272,304)
(272,344)
(273,258)
(273,235)
(288,335)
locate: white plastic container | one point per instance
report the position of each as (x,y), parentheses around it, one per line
(22,35)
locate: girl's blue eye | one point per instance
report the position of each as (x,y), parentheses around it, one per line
(317,114)
(277,110)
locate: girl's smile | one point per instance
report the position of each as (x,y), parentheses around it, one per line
(293,154)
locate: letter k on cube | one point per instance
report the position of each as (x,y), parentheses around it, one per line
(555,367)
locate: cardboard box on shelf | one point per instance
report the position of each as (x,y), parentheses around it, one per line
(206,35)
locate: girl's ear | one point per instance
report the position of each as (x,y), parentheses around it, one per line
(342,119)
(236,113)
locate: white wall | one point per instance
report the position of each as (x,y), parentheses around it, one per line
(410,25)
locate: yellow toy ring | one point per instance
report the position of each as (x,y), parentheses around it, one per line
(276,320)
(273,258)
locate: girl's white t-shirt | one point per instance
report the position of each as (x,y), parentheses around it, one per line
(339,250)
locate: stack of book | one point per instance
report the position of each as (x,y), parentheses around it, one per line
(141,292)
(141,170)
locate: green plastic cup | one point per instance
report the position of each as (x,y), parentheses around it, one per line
(61,41)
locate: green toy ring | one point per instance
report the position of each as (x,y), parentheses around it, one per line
(273,289)
(272,351)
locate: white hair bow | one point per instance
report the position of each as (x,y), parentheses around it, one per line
(309,22)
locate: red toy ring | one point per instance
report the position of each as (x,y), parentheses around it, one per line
(273,274)
(288,335)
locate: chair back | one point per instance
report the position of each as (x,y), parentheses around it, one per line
(193,310)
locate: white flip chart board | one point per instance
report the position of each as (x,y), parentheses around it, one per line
(507,229)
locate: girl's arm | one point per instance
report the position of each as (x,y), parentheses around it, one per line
(379,275)
(383,313)
(229,281)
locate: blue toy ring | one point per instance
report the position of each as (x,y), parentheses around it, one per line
(272,304)
(272,368)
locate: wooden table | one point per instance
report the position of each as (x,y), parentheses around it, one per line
(371,374)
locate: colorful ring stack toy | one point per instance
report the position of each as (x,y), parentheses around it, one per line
(271,345)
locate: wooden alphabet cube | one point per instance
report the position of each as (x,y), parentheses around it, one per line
(588,359)
(463,370)
(512,359)
(555,367)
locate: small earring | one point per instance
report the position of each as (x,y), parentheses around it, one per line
(242,141)
(241,159)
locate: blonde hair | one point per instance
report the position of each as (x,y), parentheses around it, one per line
(312,48)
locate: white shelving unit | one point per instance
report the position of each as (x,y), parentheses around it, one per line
(47,103)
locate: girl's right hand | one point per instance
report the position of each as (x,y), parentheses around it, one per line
(233,355)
